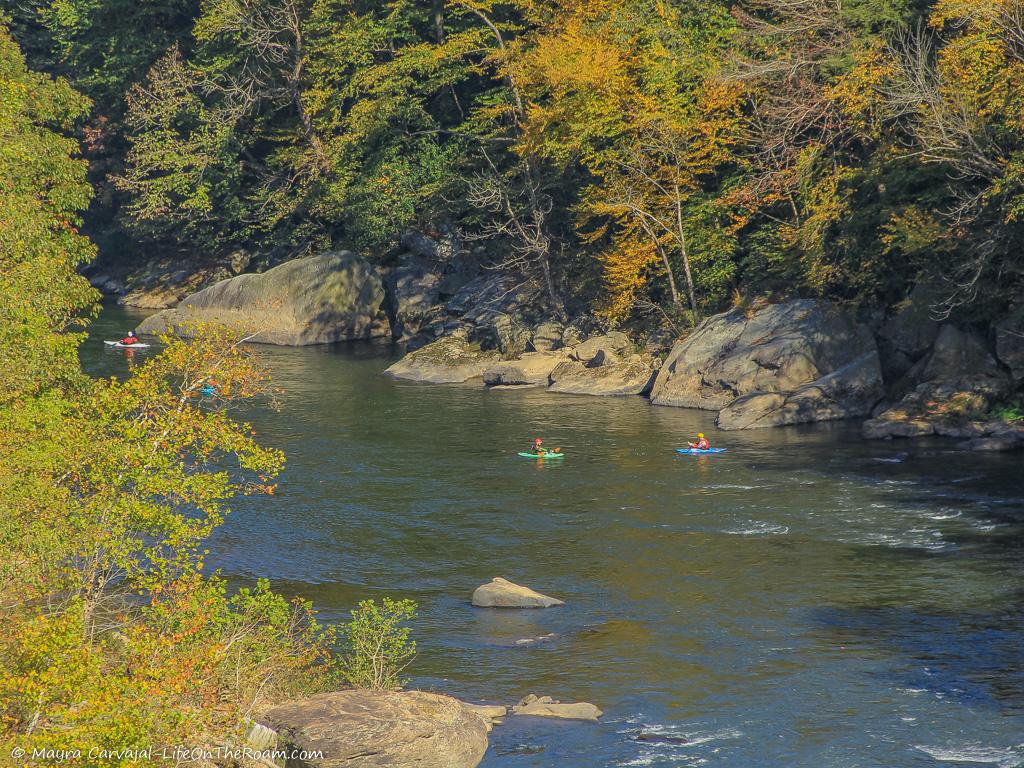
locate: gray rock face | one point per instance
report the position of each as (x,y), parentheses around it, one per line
(958,353)
(502,593)
(313,300)
(611,378)
(782,364)
(531,368)
(367,729)
(849,392)
(448,360)
(600,349)
(547,337)
(1010,343)
(907,336)
(545,706)
(413,289)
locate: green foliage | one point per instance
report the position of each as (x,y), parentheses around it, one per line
(113,637)
(1009,412)
(376,644)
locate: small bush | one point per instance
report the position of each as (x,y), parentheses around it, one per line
(376,645)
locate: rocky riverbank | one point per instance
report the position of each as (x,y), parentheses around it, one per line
(758,366)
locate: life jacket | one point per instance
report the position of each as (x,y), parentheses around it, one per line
(703,444)
(130,340)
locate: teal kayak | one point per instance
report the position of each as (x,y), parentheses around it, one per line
(528,455)
(698,451)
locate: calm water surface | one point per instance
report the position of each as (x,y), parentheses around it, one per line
(806,599)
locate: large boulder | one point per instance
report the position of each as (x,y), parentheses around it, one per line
(313,300)
(849,392)
(502,593)
(531,368)
(448,360)
(605,348)
(779,364)
(958,353)
(366,729)
(633,375)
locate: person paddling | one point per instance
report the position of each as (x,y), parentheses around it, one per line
(702,443)
(538,448)
(131,338)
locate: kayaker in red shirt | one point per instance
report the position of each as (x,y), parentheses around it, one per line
(131,338)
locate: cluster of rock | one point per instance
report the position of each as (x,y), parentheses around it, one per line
(773,365)
(761,366)
(949,381)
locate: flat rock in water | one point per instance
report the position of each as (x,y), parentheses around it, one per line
(371,729)
(320,299)
(612,378)
(532,368)
(545,706)
(502,593)
(450,360)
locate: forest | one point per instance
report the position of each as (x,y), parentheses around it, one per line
(627,155)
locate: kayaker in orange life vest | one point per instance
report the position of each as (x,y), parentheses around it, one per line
(131,338)
(702,443)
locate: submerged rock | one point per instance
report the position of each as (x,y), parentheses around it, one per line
(448,360)
(778,364)
(545,706)
(502,593)
(313,300)
(366,729)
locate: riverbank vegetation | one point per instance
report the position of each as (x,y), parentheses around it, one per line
(115,635)
(626,155)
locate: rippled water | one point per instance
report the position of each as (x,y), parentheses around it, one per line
(805,599)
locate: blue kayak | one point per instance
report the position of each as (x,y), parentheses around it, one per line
(699,451)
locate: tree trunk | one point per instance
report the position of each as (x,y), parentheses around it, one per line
(685,254)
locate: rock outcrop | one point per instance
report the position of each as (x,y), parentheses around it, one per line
(545,706)
(413,291)
(532,368)
(451,359)
(633,375)
(502,593)
(314,300)
(960,382)
(777,364)
(366,729)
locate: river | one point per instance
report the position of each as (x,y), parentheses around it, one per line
(807,599)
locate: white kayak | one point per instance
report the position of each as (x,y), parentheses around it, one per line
(136,345)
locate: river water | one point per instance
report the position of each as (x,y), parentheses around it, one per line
(805,599)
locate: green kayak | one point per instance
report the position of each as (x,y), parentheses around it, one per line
(528,455)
